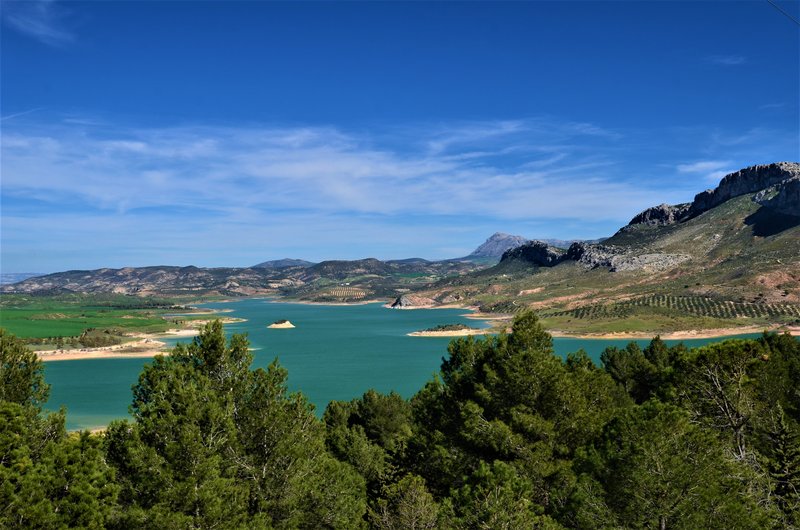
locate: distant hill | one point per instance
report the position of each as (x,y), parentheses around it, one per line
(156,280)
(333,281)
(283,263)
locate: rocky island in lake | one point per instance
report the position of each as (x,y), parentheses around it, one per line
(449,330)
(281,324)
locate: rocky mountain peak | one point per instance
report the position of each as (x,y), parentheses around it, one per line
(497,244)
(748,180)
(777,185)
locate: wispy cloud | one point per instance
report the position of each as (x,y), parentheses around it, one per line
(727,60)
(702,166)
(174,194)
(18,114)
(710,170)
(523,166)
(44,20)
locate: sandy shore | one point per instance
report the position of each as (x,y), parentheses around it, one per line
(452,333)
(139,348)
(173,333)
(675,335)
(147,345)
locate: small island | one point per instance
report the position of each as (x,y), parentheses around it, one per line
(281,324)
(449,330)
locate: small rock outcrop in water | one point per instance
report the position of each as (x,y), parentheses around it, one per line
(410,300)
(281,324)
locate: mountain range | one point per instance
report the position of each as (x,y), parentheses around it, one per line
(731,254)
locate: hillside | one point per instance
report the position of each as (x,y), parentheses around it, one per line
(328,281)
(731,258)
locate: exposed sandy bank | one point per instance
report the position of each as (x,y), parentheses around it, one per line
(147,345)
(451,333)
(139,348)
(675,335)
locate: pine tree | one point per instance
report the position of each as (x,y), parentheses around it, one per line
(784,467)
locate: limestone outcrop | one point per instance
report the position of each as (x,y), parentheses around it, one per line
(777,181)
(537,253)
(783,197)
(408,301)
(663,214)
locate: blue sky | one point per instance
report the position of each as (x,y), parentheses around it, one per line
(225,134)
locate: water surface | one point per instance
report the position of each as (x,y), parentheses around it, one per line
(333,353)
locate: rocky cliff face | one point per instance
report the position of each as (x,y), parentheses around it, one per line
(783,197)
(407,301)
(536,252)
(663,214)
(590,256)
(777,181)
(747,180)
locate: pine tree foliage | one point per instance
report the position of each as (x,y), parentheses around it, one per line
(506,435)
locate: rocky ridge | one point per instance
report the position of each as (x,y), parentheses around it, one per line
(777,186)
(614,258)
(783,197)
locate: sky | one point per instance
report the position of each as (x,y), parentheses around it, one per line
(226,133)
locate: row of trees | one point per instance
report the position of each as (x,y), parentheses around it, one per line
(508,435)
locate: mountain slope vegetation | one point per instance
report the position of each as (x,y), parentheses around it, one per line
(734,263)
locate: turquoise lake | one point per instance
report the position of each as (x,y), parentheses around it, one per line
(333,353)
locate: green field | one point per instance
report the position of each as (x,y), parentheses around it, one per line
(42,317)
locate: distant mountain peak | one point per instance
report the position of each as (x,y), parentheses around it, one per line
(497,244)
(282,263)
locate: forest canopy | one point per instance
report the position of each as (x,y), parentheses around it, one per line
(507,435)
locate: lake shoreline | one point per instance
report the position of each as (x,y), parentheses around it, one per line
(719,333)
(451,333)
(147,345)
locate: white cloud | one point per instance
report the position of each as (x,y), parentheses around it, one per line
(703,166)
(711,171)
(43,20)
(316,169)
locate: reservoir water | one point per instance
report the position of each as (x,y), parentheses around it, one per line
(333,353)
